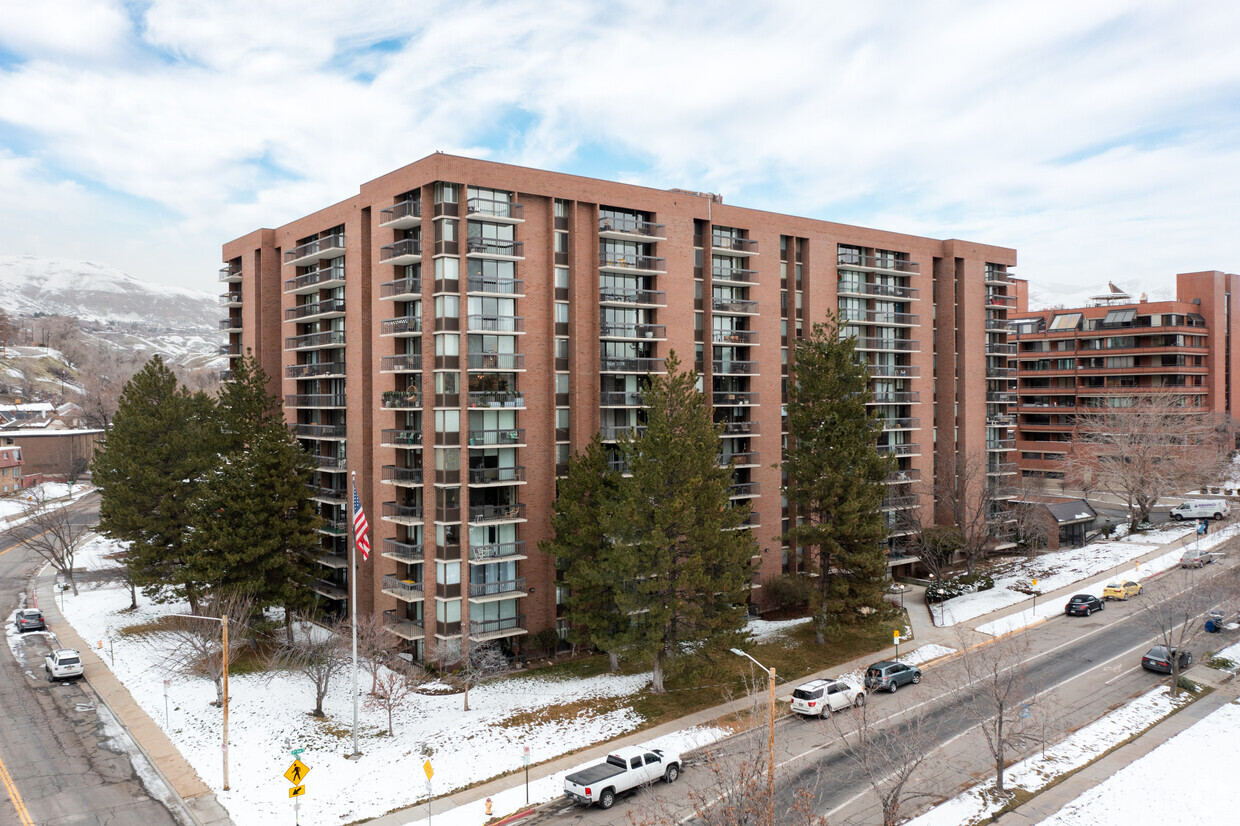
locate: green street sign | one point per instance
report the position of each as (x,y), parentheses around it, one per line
(296,752)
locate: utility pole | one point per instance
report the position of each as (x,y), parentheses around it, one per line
(770,732)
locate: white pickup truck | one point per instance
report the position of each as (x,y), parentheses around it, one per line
(624,769)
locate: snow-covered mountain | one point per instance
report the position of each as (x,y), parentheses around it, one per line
(97,293)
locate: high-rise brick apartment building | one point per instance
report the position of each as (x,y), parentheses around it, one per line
(456,329)
(1107,354)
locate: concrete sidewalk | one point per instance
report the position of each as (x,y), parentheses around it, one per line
(196,797)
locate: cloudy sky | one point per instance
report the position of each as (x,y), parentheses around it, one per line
(1100,139)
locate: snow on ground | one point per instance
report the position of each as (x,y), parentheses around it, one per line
(1053,571)
(11,506)
(1168,781)
(764,630)
(1078,749)
(464,748)
(1048,607)
(926,653)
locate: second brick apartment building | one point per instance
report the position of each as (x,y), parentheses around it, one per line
(458,328)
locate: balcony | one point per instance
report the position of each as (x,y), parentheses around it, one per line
(335,496)
(900,423)
(408,515)
(613,433)
(739,337)
(1000,444)
(404,215)
(892,319)
(732,245)
(319,279)
(893,371)
(1000,372)
(401,438)
(402,289)
(330,463)
(329,246)
(312,341)
(896,397)
(330,308)
(231,350)
(484,476)
(323,369)
(733,275)
(496,286)
(608,329)
(402,551)
(514,437)
(230,324)
(997,278)
(907,449)
(998,325)
(900,477)
(403,326)
(402,476)
(496,398)
(230,299)
(506,588)
(995,348)
(496,324)
(616,262)
(483,630)
(494,248)
(402,627)
(734,368)
(864,289)
(883,344)
(896,503)
(404,363)
(1003,469)
(495,210)
(746,459)
(738,429)
(734,306)
(1000,301)
(503,362)
(402,252)
(230,274)
(886,263)
(318,431)
(994,397)
(488,514)
(337,528)
(733,399)
(497,552)
(333,561)
(401,399)
(405,590)
(634,298)
(624,364)
(744,490)
(621,399)
(329,589)
(624,228)
(315,400)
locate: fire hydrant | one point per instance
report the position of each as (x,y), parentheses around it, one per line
(488,807)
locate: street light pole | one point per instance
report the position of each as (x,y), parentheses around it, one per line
(770,731)
(223,621)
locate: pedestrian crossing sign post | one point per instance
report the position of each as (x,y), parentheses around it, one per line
(296,772)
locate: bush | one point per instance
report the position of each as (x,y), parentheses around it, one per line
(1185,684)
(547,641)
(789,590)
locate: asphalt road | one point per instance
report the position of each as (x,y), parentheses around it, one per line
(58,758)
(1076,670)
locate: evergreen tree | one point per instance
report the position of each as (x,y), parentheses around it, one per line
(835,477)
(682,564)
(254,526)
(160,447)
(245,405)
(584,550)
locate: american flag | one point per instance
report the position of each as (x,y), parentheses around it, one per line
(360,527)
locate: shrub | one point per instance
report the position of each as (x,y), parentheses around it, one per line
(1185,684)
(546,641)
(789,590)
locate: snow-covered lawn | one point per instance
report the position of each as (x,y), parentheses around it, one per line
(550,716)
(1038,771)
(1054,571)
(55,493)
(1186,779)
(766,630)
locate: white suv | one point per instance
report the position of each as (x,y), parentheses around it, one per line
(62,664)
(821,697)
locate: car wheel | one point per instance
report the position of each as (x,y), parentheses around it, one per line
(892,687)
(1089,611)
(859,700)
(607,799)
(916,679)
(673,772)
(1218,517)
(1102,606)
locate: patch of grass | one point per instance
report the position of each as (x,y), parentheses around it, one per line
(1221,663)
(566,712)
(153,627)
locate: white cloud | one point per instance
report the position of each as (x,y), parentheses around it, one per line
(1096,138)
(64,30)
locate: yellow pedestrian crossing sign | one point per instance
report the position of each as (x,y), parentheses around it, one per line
(297,772)
(297,791)
(430,772)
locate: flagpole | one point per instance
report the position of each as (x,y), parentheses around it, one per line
(353,611)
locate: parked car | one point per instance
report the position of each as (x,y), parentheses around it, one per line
(29,619)
(889,675)
(821,697)
(1082,605)
(1201,509)
(1121,590)
(1158,659)
(1195,558)
(62,664)
(624,769)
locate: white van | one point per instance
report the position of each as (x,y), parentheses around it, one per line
(1201,509)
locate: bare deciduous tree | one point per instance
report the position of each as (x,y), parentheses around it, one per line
(317,653)
(1176,612)
(481,663)
(970,506)
(375,646)
(994,691)
(1156,447)
(890,756)
(56,536)
(392,688)
(197,645)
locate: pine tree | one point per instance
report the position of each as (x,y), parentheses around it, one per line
(682,561)
(160,447)
(254,527)
(582,547)
(245,405)
(835,477)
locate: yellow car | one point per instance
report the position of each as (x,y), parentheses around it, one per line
(1121,590)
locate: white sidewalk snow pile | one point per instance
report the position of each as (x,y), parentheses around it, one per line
(264,709)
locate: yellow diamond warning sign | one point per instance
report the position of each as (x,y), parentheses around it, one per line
(297,772)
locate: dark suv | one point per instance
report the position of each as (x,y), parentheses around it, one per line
(29,619)
(1082,605)
(889,675)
